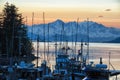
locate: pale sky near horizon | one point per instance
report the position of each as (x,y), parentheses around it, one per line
(106,12)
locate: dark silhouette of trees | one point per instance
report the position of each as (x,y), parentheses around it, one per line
(13,33)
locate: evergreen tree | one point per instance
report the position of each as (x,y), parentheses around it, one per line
(0,34)
(2,37)
(16,40)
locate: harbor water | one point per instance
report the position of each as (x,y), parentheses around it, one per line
(110,52)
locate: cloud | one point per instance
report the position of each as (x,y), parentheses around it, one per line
(100,16)
(108,10)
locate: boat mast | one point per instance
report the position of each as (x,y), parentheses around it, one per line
(44,32)
(88,39)
(32,25)
(110,64)
(55,39)
(72,38)
(72,56)
(61,37)
(63,34)
(76,35)
(48,44)
(37,48)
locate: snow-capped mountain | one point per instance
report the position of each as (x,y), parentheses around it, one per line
(73,31)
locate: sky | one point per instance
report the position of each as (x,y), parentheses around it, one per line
(106,12)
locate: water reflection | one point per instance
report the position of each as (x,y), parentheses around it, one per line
(96,50)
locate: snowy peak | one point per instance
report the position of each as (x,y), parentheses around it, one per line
(58,21)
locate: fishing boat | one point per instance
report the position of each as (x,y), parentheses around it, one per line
(67,68)
(96,71)
(62,63)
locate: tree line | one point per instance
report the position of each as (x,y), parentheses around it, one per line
(13,33)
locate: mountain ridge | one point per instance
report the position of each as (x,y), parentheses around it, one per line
(68,30)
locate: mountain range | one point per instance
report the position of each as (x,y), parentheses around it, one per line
(73,31)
